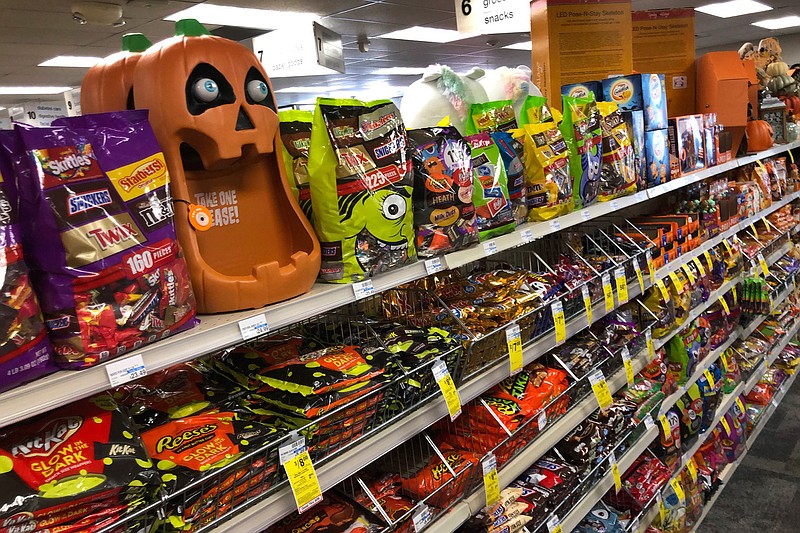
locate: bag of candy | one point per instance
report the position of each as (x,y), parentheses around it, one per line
(490,191)
(512,155)
(584,138)
(536,111)
(444,215)
(361,181)
(296,141)
(549,188)
(491,116)
(99,237)
(618,174)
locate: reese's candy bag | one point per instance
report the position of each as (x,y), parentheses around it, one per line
(296,142)
(361,181)
(548,183)
(98,233)
(618,175)
(583,135)
(490,194)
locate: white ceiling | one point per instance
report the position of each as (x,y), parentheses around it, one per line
(35,30)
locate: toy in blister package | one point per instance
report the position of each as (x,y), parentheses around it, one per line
(548,183)
(618,175)
(361,182)
(444,215)
(99,236)
(490,188)
(296,141)
(583,135)
(512,153)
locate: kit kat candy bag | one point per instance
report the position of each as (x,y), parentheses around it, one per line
(618,174)
(583,135)
(490,194)
(296,139)
(548,183)
(361,181)
(99,237)
(444,215)
(25,350)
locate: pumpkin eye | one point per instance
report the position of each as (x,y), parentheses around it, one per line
(205,90)
(257,90)
(394,206)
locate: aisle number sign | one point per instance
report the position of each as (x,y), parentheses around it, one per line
(448,388)
(514,341)
(587,303)
(600,389)
(478,17)
(301,474)
(557,309)
(626,361)
(491,485)
(608,293)
(622,285)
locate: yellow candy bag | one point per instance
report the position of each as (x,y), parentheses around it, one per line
(548,183)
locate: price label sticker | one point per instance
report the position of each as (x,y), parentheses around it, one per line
(700,268)
(663,289)
(725,365)
(608,293)
(651,349)
(363,289)
(622,285)
(421,518)
(434,265)
(727,245)
(724,305)
(253,327)
(490,247)
(766,225)
(740,404)
(649,423)
(554,525)
(639,276)
(555,225)
(709,377)
(763,263)
(526,235)
(666,428)
(442,376)
(514,341)
(491,485)
(725,426)
(542,420)
(766,363)
(127,369)
(692,468)
(301,474)
(587,303)
(600,389)
(676,281)
(614,205)
(708,260)
(586,215)
(735,296)
(557,309)
(612,461)
(689,275)
(628,364)
(754,230)
(662,510)
(651,266)
(676,486)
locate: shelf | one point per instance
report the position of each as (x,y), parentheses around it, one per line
(759,319)
(761,367)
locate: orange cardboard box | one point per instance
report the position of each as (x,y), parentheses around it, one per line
(723,86)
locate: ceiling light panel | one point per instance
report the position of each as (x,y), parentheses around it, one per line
(524,45)
(71,61)
(780,23)
(428,35)
(243,17)
(734,8)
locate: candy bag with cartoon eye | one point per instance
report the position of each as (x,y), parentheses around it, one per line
(361,180)
(583,135)
(296,141)
(513,153)
(618,175)
(444,215)
(491,116)
(490,188)
(548,184)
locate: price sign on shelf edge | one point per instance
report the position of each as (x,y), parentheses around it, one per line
(557,309)
(301,474)
(514,342)
(448,388)
(126,369)
(491,485)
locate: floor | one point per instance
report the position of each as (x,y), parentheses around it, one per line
(763,495)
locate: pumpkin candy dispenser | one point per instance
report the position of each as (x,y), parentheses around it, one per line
(211,107)
(108,86)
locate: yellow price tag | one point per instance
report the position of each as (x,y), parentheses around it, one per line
(448,388)
(763,263)
(622,285)
(727,245)
(740,404)
(699,266)
(662,511)
(724,359)
(676,281)
(755,232)
(709,378)
(692,468)
(688,271)
(766,225)
(514,341)
(651,349)
(676,486)
(651,266)
(663,289)
(639,277)
(615,472)
(553,525)
(725,425)
(626,362)
(735,296)
(665,425)
(608,293)
(557,309)
(600,389)
(724,305)
(301,474)
(708,260)
(491,485)
(587,303)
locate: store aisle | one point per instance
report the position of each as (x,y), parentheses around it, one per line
(764,493)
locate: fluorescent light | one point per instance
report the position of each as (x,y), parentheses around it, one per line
(524,45)
(400,71)
(733,8)
(779,24)
(243,17)
(2,108)
(304,90)
(34,90)
(71,61)
(428,35)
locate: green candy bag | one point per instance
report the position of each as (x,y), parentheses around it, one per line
(582,131)
(490,192)
(295,129)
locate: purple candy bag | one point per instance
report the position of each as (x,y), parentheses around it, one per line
(99,236)
(25,351)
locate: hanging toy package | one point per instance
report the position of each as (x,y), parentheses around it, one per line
(296,140)
(583,135)
(361,181)
(549,188)
(444,215)
(490,194)
(618,174)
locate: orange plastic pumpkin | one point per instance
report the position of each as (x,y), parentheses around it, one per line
(109,84)
(793,104)
(759,135)
(212,110)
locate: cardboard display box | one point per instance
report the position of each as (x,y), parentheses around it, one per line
(580,90)
(643,92)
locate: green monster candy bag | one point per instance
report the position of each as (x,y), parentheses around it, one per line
(490,188)
(583,135)
(491,116)
(361,181)
(296,140)
(548,185)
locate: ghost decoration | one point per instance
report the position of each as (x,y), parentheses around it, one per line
(439,94)
(505,83)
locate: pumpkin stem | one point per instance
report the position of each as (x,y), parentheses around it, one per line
(190,28)
(135,42)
